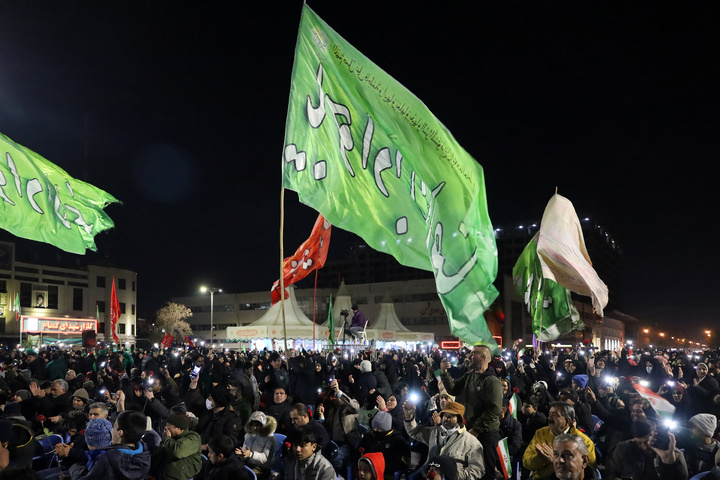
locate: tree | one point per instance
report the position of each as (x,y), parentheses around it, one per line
(171,319)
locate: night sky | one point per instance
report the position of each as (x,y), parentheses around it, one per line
(178,109)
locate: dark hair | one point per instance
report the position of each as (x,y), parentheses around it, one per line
(640,429)
(133,425)
(532,401)
(301,409)
(19,473)
(222,445)
(567,410)
(280,387)
(570,394)
(301,436)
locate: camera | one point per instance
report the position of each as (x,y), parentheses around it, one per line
(345,314)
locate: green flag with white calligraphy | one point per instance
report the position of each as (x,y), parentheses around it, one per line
(366,153)
(40,201)
(550,305)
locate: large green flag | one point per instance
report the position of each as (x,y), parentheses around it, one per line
(549,304)
(40,201)
(369,155)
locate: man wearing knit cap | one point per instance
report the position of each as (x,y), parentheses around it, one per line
(218,419)
(450,438)
(704,452)
(178,457)
(364,383)
(383,439)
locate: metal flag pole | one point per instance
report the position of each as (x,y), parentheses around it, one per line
(282,260)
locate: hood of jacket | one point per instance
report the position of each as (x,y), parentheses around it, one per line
(269,427)
(377,462)
(132,463)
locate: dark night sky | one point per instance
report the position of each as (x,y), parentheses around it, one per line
(181,106)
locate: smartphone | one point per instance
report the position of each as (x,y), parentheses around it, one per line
(195,372)
(662,439)
(414,398)
(331,379)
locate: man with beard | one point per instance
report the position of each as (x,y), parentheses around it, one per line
(539,455)
(449,438)
(570,459)
(480,391)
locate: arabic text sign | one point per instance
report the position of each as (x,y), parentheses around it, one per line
(57,325)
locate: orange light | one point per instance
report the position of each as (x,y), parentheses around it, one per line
(647,330)
(662,334)
(450,345)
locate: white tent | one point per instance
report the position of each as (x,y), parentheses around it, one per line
(270,325)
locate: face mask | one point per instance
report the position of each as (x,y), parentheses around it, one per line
(449,431)
(209,404)
(649,369)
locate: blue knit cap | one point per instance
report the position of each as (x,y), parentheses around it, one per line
(98,433)
(580,380)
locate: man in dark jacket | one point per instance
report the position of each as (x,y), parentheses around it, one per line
(481,392)
(512,429)
(364,383)
(639,458)
(300,417)
(280,409)
(223,464)
(219,419)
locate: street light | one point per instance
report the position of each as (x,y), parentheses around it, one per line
(212,291)
(647,330)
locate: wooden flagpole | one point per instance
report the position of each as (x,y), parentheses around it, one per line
(282,260)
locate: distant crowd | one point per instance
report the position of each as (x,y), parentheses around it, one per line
(196,413)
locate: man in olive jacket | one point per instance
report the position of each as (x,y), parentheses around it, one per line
(178,457)
(480,391)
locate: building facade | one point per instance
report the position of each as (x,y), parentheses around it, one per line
(63,295)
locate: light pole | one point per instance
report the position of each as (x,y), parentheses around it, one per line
(212,291)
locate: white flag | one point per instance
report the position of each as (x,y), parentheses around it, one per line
(562,253)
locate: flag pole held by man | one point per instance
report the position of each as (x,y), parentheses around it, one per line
(369,155)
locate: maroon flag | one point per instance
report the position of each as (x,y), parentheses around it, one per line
(167,341)
(114,311)
(190,342)
(310,256)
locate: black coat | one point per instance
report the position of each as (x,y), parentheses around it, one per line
(224,422)
(231,469)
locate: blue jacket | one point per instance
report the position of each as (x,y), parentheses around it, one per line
(120,462)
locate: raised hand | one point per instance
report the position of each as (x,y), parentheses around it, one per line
(408,410)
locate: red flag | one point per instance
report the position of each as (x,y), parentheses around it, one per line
(190,342)
(114,311)
(167,341)
(310,256)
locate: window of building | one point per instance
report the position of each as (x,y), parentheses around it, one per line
(122,307)
(101,327)
(132,309)
(133,285)
(25,295)
(132,329)
(3,286)
(121,283)
(100,281)
(77,298)
(121,330)
(52,300)
(100,306)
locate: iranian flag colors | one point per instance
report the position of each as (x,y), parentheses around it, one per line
(662,407)
(504,456)
(513,406)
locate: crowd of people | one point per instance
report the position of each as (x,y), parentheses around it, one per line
(194,413)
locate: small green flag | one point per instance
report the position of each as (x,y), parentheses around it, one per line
(549,304)
(331,324)
(40,201)
(18,312)
(371,157)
